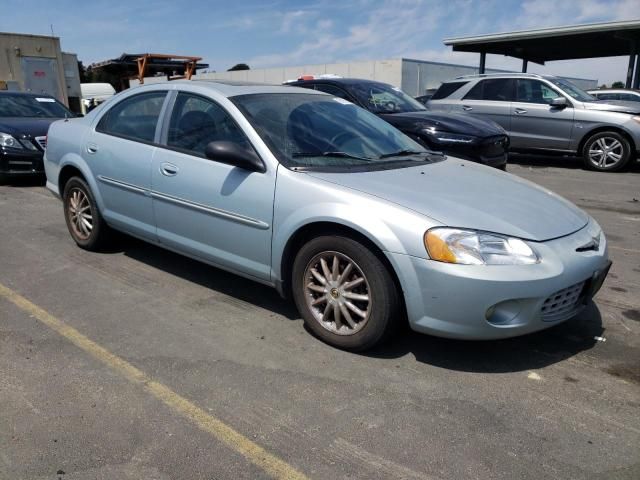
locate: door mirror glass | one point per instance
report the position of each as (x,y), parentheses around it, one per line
(234,154)
(559,102)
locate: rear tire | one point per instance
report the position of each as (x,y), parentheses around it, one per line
(345,294)
(3,179)
(606,152)
(84,221)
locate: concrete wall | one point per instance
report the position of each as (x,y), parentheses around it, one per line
(388,71)
(15,47)
(415,77)
(419,76)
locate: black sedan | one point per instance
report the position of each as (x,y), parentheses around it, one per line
(24,121)
(462,136)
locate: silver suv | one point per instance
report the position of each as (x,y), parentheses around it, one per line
(548,114)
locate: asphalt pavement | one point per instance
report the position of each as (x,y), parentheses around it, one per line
(137,363)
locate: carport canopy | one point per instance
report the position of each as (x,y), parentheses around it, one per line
(594,40)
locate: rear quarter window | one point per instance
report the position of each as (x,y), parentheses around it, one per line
(447,89)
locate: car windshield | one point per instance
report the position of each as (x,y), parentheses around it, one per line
(310,130)
(381,98)
(32,106)
(572,90)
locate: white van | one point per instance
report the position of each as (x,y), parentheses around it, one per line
(94,94)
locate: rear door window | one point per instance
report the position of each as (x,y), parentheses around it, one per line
(135,117)
(493,89)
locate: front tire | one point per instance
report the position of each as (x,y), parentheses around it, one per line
(344,293)
(606,152)
(85,224)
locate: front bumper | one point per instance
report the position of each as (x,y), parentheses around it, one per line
(499,301)
(19,163)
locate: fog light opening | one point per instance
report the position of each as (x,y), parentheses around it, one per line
(504,313)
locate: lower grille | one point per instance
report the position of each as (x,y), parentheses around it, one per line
(42,141)
(564,303)
(494,146)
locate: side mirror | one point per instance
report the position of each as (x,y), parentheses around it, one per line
(234,154)
(559,102)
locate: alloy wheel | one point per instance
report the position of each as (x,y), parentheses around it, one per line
(606,152)
(337,293)
(79,211)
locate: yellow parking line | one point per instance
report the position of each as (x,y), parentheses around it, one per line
(271,464)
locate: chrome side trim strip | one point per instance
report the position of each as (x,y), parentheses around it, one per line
(123,185)
(234,217)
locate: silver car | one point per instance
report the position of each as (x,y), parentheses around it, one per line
(548,114)
(330,204)
(623,94)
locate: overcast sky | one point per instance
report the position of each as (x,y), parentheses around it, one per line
(282,33)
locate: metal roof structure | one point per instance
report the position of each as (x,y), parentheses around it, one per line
(560,43)
(139,65)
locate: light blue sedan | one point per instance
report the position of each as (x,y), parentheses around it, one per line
(329,204)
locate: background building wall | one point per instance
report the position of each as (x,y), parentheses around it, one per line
(415,77)
(16,48)
(72,80)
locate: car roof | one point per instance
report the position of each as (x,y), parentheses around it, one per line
(234,88)
(499,75)
(613,90)
(337,81)
(24,94)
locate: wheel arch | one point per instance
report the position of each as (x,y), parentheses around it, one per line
(66,173)
(317,228)
(75,166)
(607,128)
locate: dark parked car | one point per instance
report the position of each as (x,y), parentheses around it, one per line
(24,121)
(457,135)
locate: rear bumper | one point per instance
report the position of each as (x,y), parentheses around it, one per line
(491,302)
(18,163)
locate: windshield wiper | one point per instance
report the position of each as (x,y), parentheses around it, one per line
(404,153)
(330,154)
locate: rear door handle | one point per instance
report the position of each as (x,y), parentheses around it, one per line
(520,111)
(467,108)
(92,148)
(168,169)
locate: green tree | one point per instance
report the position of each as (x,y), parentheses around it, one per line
(617,85)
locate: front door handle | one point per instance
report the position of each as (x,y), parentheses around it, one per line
(92,148)
(520,111)
(168,169)
(467,108)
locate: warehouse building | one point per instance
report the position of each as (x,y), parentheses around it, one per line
(415,77)
(36,63)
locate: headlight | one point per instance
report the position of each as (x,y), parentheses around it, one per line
(468,247)
(443,137)
(636,118)
(7,140)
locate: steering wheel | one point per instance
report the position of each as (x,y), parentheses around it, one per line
(391,106)
(340,136)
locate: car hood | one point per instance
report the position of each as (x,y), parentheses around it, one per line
(467,195)
(614,106)
(34,127)
(449,122)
